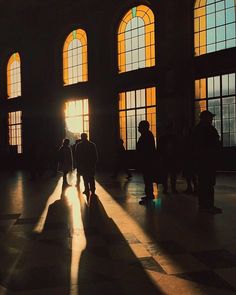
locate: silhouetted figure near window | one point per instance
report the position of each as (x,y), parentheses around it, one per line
(75,159)
(145,159)
(86,162)
(206,148)
(65,162)
(121,160)
(169,157)
(188,165)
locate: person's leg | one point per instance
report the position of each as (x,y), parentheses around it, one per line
(65,178)
(78,176)
(86,184)
(92,184)
(148,184)
(189,188)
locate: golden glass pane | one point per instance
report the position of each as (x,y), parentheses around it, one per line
(203,23)
(122,101)
(203,88)
(196,25)
(197,89)
(202,50)
(196,40)
(202,38)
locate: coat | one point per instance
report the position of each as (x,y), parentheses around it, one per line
(146,152)
(65,162)
(86,157)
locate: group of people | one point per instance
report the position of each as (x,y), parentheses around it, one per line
(83,158)
(156,161)
(199,160)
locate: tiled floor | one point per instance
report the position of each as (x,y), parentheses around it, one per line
(55,241)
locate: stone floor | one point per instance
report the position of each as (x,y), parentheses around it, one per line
(55,241)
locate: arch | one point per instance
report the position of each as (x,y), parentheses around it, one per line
(214,25)
(75,58)
(136,39)
(14,76)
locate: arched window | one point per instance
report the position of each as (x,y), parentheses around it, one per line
(136,39)
(75,61)
(14,76)
(214,25)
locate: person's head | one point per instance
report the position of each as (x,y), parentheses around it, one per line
(143,126)
(84,136)
(206,116)
(66,142)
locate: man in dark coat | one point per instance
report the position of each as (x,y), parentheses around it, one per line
(206,147)
(86,162)
(146,158)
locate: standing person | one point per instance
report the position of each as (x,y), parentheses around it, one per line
(120,160)
(206,148)
(75,159)
(169,157)
(65,164)
(86,162)
(145,157)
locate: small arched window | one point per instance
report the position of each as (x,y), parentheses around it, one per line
(214,25)
(136,39)
(75,60)
(14,76)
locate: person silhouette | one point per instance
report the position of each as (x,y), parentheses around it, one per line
(146,150)
(206,145)
(86,162)
(65,162)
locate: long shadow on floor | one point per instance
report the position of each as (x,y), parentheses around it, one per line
(170,223)
(45,258)
(108,265)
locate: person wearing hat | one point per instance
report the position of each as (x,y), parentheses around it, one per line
(206,145)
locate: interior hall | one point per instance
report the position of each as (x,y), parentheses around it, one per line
(86,73)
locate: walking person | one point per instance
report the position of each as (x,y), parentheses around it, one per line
(65,162)
(86,162)
(206,152)
(145,159)
(75,160)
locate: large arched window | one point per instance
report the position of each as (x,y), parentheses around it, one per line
(214,25)
(14,76)
(136,39)
(75,61)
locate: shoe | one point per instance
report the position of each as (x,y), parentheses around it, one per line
(147,198)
